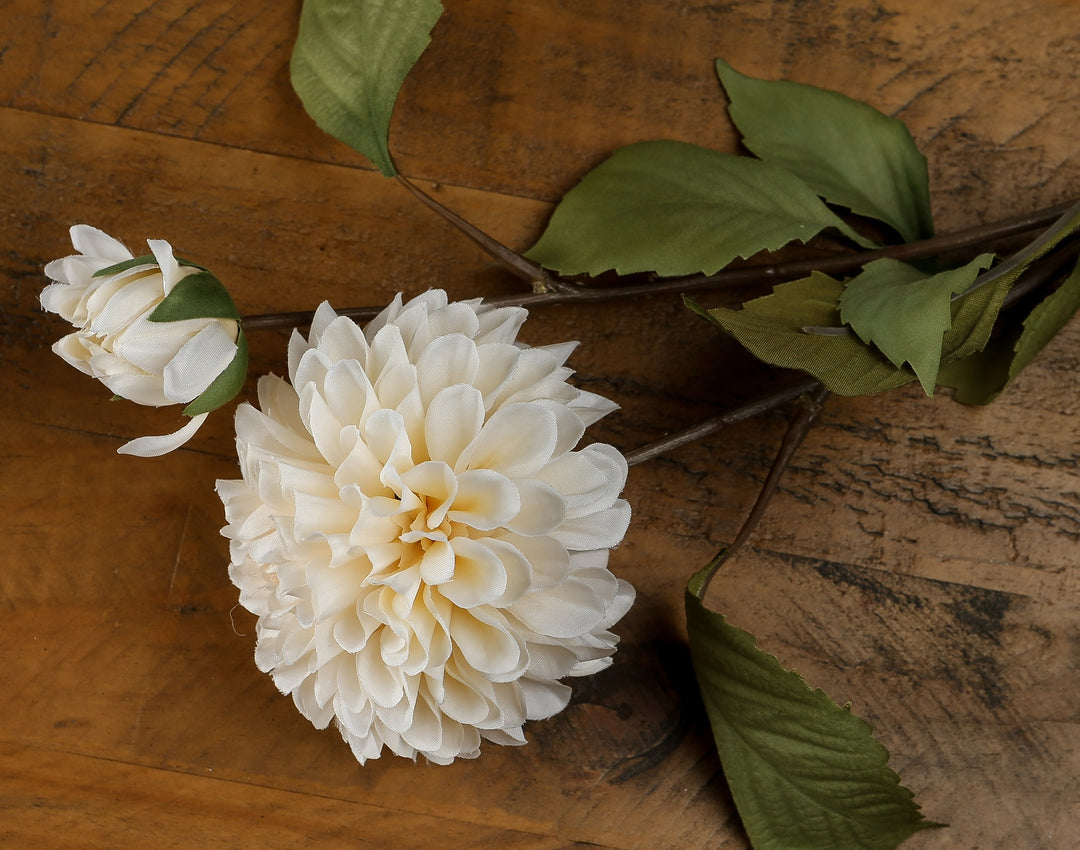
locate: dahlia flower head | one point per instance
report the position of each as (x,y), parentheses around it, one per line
(153,329)
(421,541)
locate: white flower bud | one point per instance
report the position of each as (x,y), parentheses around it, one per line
(152,330)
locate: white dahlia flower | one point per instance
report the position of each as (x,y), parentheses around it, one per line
(424,548)
(151,329)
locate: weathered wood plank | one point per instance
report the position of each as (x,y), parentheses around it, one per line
(523,98)
(52,797)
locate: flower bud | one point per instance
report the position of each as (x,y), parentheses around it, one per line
(154,330)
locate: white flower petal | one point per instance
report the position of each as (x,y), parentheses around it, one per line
(454,418)
(543,509)
(157,446)
(170,269)
(600,530)
(198,363)
(447,361)
(488,645)
(563,611)
(485,500)
(91,242)
(518,440)
(479,576)
(543,699)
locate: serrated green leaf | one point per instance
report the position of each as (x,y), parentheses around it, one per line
(197,296)
(350,60)
(675,208)
(905,312)
(772,329)
(804,772)
(845,150)
(226,385)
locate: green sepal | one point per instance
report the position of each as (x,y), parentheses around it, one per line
(134,262)
(226,385)
(845,150)
(804,772)
(197,296)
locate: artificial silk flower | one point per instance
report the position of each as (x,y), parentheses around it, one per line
(152,329)
(423,545)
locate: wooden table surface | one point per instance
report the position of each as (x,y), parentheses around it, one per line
(920,560)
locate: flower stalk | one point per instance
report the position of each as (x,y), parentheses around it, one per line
(551,289)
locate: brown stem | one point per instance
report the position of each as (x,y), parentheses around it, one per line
(796,433)
(521,266)
(557,291)
(756,407)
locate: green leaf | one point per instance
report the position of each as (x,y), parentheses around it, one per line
(845,150)
(979,379)
(773,327)
(905,312)
(675,208)
(350,61)
(197,296)
(226,385)
(804,772)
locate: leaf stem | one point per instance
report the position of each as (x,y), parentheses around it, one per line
(796,433)
(752,408)
(514,262)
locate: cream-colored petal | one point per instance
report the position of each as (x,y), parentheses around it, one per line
(518,440)
(543,509)
(479,576)
(600,530)
(453,420)
(198,363)
(92,242)
(543,699)
(485,500)
(447,361)
(157,446)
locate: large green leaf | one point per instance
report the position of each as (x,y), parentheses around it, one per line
(905,312)
(773,329)
(350,60)
(845,150)
(804,772)
(676,208)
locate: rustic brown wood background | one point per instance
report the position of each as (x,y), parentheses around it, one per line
(921,560)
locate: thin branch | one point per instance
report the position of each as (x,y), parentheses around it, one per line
(978,236)
(796,433)
(518,264)
(560,291)
(749,410)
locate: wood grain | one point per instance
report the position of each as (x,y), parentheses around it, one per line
(920,560)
